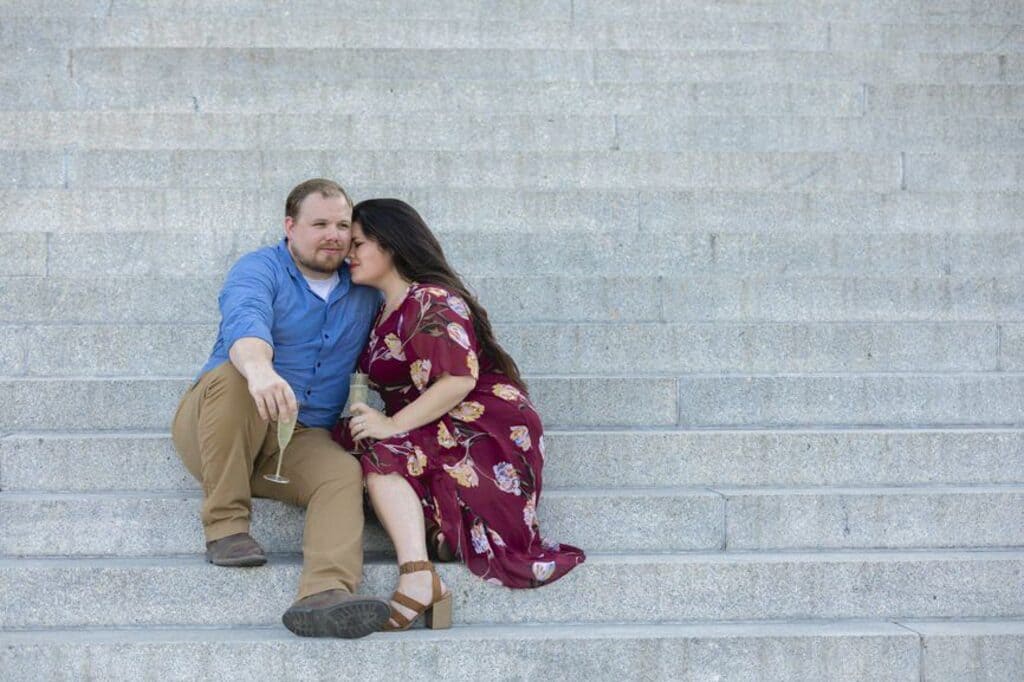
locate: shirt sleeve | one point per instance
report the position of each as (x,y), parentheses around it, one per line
(247,301)
(441,339)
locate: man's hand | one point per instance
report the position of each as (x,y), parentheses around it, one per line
(367,422)
(273,396)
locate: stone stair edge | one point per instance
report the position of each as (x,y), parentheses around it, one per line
(745,556)
(714,629)
(702,490)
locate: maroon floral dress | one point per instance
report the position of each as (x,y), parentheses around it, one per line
(477,470)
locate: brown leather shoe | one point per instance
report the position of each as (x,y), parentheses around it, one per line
(336,613)
(235,550)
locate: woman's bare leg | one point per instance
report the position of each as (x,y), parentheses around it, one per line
(401,514)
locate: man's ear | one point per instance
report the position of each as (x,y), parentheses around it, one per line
(289,225)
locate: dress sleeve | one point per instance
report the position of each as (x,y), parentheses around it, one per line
(440,338)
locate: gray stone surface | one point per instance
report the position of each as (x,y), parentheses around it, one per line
(770,653)
(851,400)
(945,217)
(885,67)
(875,517)
(116,130)
(541,299)
(149,403)
(124,524)
(621,588)
(819,212)
(595,459)
(746,217)
(583,254)
(486,96)
(23,254)
(990,651)
(943,100)
(558,348)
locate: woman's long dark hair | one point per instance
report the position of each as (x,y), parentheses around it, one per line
(418,257)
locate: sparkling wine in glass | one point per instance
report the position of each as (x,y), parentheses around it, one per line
(358,389)
(285,428)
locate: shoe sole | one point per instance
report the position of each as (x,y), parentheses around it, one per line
(348,620)
(239,562)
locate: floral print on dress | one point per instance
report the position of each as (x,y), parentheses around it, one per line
(458,334)
(444,437)
(479,538)
(475,470)
(458,306)
(419,372)
(507,478)
(394,345)
(507,392)
(464,473)
(415,462)
(520,435)
(467,411)
(542,570)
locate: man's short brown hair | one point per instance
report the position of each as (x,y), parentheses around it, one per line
(326,188)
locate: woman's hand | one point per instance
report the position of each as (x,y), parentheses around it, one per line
(367,422)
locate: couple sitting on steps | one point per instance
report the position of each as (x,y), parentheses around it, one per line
(454,463)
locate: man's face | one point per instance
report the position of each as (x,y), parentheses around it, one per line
(319,237)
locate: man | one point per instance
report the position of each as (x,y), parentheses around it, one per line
(292,327)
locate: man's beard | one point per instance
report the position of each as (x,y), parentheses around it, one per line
(317,267)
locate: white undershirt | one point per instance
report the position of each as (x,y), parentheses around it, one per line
(323,287)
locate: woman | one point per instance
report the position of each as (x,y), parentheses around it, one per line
(460,443)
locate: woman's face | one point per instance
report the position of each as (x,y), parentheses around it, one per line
(368,263)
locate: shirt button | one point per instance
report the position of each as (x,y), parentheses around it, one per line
(308,392)
(318,365)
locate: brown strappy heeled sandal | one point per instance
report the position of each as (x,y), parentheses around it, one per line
(438,613)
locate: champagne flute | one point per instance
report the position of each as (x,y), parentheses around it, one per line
(285,428)
(358,389)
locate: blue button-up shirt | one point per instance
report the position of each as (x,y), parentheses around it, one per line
(316,343)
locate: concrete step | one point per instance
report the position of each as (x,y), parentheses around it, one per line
(638,32)
(132,67)
(609,349)
(584,254)
(119,130)
(66,593)
(692,401)
(894,518)
(183,169)
(147,524)
(901,650)
(942,12)
(361,31)
(666,66)
(942,100)
(95,462)
(764,651)
(731,171)
(619,520)
(851,400)
(459,210)
(387,92)
(150,403)
(142,299)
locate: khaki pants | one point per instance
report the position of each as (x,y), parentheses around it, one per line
(222,441)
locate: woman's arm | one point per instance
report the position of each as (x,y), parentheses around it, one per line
(446,393)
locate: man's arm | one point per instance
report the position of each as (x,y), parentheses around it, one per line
(273,396)
(247,309)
